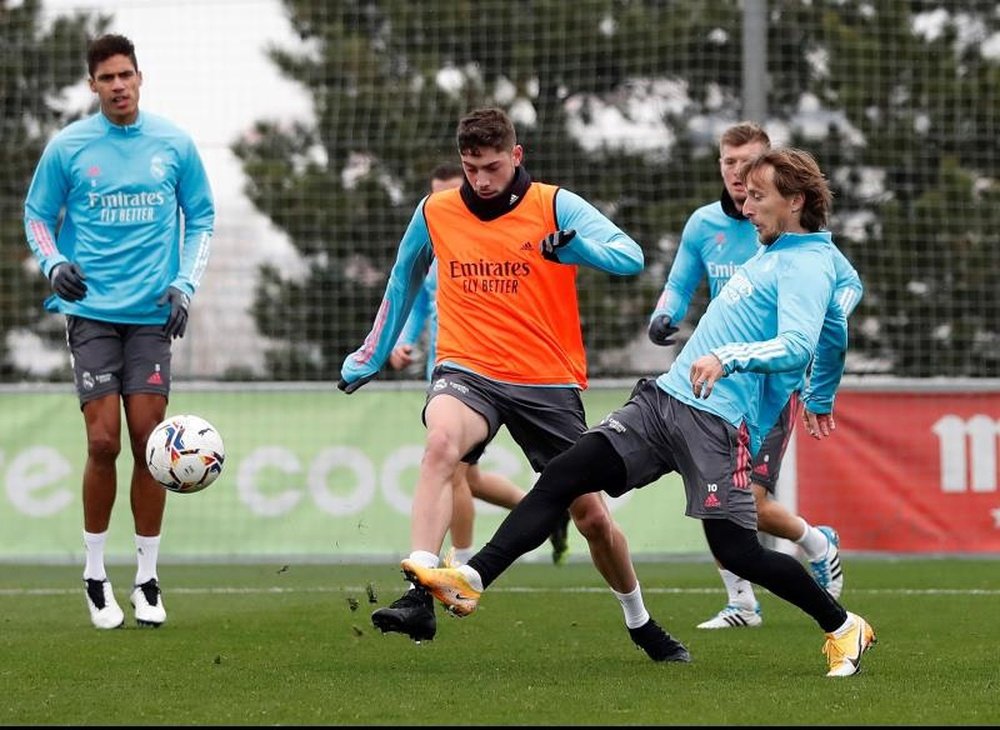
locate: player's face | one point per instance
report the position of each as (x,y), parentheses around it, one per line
(116,83)
(489,171)
(730,160)
(771,212)
(452,182)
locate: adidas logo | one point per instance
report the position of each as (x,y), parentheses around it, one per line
(526,246)
(761,469)
(712,501)
(513,199)
(155,379)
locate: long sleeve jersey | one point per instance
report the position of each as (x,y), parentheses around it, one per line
(504,312)
(423,316)
(767,319)
(121,191)
(717,239)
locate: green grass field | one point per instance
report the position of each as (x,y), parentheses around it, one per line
(282,645)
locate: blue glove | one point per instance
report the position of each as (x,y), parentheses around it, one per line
(661,331)
(178,319)
(550,245)
(67,281)
(351,387)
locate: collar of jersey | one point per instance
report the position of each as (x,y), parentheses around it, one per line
(488,210)
(787,240)
(128,129)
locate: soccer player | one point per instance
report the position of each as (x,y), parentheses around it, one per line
(509,349)
(469,480)
(716,240)
(708,413)
(124,281)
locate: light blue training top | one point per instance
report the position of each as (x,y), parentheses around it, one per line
(122,190)
(767,320)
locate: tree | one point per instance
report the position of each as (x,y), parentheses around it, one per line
(912,110)
(35,67)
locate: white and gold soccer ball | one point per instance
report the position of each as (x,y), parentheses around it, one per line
(185,454)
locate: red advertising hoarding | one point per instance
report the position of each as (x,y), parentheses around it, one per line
(906,472)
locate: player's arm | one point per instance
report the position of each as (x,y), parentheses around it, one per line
(406,278)
(417,321)
(46,197)
(194,196)
(831,351)
(686,273)
(402,354)
(805,287)
(595,241)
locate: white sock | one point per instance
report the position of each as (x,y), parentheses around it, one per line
(740,592)
(461,555)
(472,576)
(147,550)
(424,559)
(813,542)
(93,543)
(636,614)
(845,627)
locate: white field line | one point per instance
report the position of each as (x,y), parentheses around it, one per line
(647,590)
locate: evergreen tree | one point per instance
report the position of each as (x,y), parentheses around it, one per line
(913,111)
(36,66)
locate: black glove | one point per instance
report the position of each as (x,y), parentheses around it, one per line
(351,387)
(555,241)
(68,281)
(661,331)
(178,319)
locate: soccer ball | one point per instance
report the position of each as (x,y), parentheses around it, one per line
(185,454)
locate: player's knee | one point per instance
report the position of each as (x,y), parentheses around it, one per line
(766,513)
(103,447)
(440,447)
(593,519)
(736,548)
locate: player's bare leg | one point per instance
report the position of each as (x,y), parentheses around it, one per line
(143,411)
(102,418)
(452,430)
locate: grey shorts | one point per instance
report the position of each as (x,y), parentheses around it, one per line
(655,434)
(767,463)
(543,421)
(117,358)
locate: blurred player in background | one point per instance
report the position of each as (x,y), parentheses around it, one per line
(509,349)
(708,414)
(469,482)
(124,281)
(717,239)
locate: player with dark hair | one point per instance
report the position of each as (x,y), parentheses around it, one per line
(509,348)
(716,240)
(470,481)
(124,279)
(706,416)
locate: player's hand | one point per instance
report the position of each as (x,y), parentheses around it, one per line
(818,425)
(401,356)
(67,281)
(550,245)
(661,331)
(178,319)
(705,372)
(351,387)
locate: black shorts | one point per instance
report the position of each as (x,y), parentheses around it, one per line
(767,463)
(117,358)
(655,434)
(543,420)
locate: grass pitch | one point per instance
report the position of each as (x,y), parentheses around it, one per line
(293,645)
